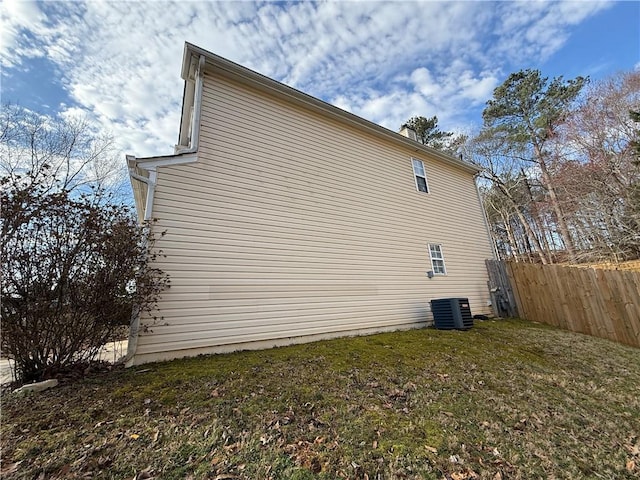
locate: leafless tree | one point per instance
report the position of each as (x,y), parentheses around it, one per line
(598,176)
(579,190)
(506,196)
(75,262)
(526,111)
(56,153)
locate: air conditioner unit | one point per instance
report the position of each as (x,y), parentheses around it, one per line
(452,313)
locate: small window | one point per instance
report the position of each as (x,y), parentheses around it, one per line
(437,259)
(421,176)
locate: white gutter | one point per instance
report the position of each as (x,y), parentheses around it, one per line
(494,248)
(135,176)
(183,154)
(244,75)
(151,190)
(134,324)
(197,107)
(151,165)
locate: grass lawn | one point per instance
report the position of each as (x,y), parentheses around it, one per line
(505,400)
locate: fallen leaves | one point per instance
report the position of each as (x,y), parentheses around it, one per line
(305,455)
(633,448)
(521,425)
(464,475)
(399,419)
(146,474)
(9,469)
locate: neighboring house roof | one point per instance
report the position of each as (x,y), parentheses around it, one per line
(229,69)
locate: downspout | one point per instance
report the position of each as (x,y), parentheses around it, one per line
(197,107)
(494,247)
(194,139)
(134,324)
(151,190)
(484,216)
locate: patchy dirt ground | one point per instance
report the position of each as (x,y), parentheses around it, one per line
(505,400)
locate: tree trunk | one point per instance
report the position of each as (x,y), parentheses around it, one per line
(537,221)
(555,204)
(512,240)
(523,221)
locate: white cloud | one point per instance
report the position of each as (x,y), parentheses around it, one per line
(16,18)
(478,90)
(120,61)
(424,82)
(535,30)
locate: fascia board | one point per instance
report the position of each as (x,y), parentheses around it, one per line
(186,60)
(229,69)
(139,188)
(142,167)
(183,113)
(165,161)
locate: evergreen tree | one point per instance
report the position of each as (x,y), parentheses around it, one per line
(429,134)
(526,111)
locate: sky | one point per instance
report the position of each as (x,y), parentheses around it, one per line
(118,63)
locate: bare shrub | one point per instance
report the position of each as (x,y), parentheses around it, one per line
(72,271)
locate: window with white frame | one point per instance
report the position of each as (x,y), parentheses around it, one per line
(420,175)
(437,259)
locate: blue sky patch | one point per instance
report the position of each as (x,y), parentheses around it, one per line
(119,63)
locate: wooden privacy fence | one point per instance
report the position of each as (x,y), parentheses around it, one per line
(602,303)
(502,297)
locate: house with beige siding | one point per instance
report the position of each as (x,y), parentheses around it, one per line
(290,220)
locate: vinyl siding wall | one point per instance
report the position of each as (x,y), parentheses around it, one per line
(291,225)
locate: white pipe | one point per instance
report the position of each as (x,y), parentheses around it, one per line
(151,188)
(197,103)
(140,178)
(494,248)
(134,324)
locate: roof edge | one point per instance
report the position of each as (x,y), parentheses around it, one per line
(232,69)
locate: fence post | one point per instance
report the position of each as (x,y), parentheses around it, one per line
(511,271)
(501,288)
